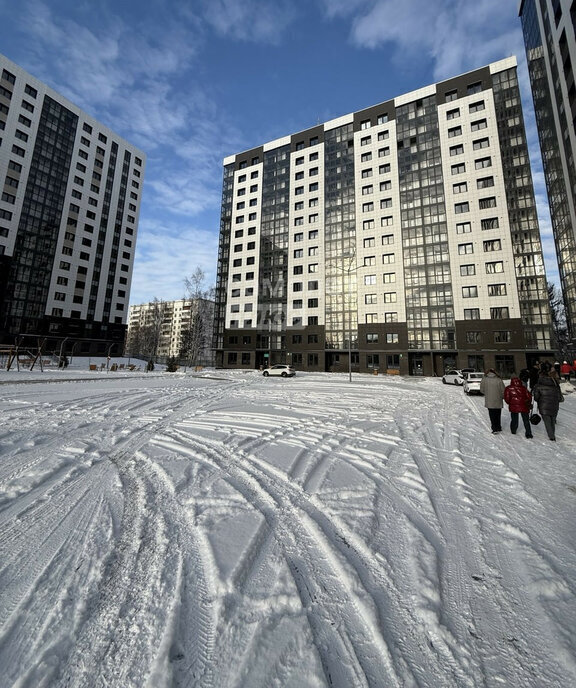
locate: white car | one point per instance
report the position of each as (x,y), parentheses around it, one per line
(453,377)
(281,370)
(472,383)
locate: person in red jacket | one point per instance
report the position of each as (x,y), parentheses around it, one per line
(519,401)
(566,370)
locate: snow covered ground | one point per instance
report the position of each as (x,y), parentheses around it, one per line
(223,530)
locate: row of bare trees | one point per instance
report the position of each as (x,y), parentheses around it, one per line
(145,338)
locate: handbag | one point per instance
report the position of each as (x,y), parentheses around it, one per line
(535,418)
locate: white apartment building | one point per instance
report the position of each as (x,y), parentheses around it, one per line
(402,237)
(71,194)
(166,329)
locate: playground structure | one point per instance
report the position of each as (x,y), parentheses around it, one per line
(30,351)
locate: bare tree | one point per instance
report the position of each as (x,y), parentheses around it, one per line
(560,337)
(144,337)
(197,335)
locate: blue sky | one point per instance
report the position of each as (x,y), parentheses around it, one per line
(192,82)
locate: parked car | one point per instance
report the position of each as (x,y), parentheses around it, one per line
(453,377)
(472,383)
(281,370)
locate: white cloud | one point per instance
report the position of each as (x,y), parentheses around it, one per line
(166,255)
(250,20)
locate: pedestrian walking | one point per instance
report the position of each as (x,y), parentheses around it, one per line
(566,371)
(493,388)
(548,396)
(519,402)
(534,374)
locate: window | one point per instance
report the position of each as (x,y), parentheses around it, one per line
(489,202)
(391,317)
(469,292)
(492,245)
(299,236)
(387,258)
(471,314)
(462,187)
(478,124)
(313,187)
(480,143)
(481,163)
(474,88)
(461,207)
(299,190)
(365,124)
(29,91)
(484,182)
(473,337)
(313,267)
(383,135)
(313,202)
(369,260)
(490,223)
(299,253)
(313,172)
(299,205)
(386,221)
(300,160)
(385,186)
(367,190)
(312,339)
(494,267)
(9,198)
(454,131)
(459,168)
(24,120)
(299,175)
(365,140)
(369,279)
(27,106)
(313,285)
(368,224)
(367,207)
(313,251)
(391,338)
(457,150)
(385,203)
(501,336)
(298,221)
(371,338)
(387,239)
(312,303)
(371,318)
(497,290)
(477,107)
(464,249)
(298,270)
(313,156)
(367,173)
(382,119)
(296,339)
(384,169)
(366,157)
(389,277)
(18,151)
(451,95)
(390,297)
(384,152)
(499,313)
(313,234)
(463,228)
(297,304)
(453,114)
(370,242)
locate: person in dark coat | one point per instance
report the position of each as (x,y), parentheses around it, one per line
(492,388)
(547,395)
(524,376)
(519,402)
(534,374)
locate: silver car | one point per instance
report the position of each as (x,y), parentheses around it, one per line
(453,377)
(280,369)
(472,383)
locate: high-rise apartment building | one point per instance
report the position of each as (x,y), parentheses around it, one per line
(403,237)
(71,192)
(163,329)
(549,34)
